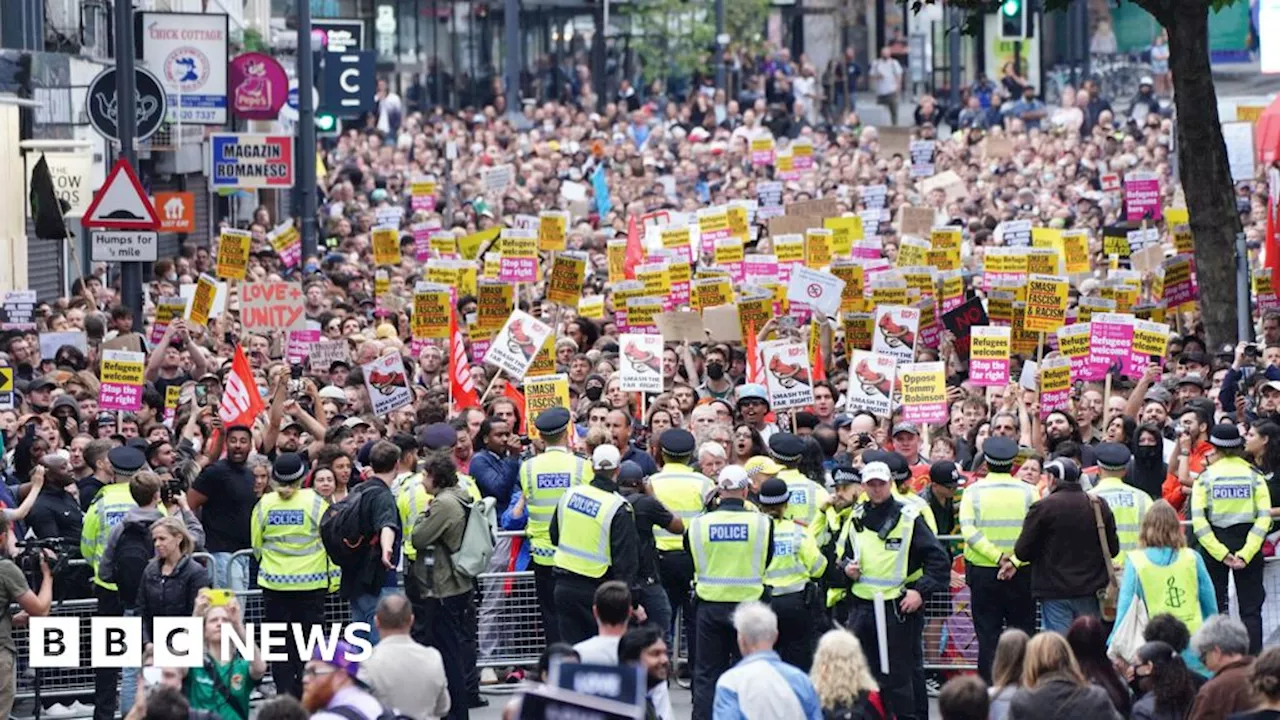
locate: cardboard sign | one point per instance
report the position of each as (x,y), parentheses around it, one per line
(517,343)
(787,378)
(1142,196)
(431,312)
(497,179)
(51,342)
(871,382)
(917,221)
(641,362)
(818,208)
(272,306)
(233,254)
(201,308)
(122,381)
(989,352)
(819,290)
(387,384)
(542,393)
(1047,298)
(895,332)
(1055,385)
(924,392)
(792,225)
(325,353)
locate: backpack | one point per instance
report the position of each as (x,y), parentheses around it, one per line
(340,532)
(134,549)
(478,539)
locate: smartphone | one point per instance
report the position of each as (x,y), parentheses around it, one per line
(295,380)
(219,596)
(202,394)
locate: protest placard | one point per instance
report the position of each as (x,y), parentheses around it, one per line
(1150,342)
(922,158)
(1073,343)
(201,307)
(519,262)
(641,362)
(989,355)
(1111,342)
(51,342)
(1142,196)
(1180,281)
(299,342)
(497,179)
(386,245)
(324,353)
(1016,233)
(516,344)
(924,392)
(1047,298)
(122,380)
(422,193)
(272,306)
(711,291)
(787,378)
(166,310)
(287,242)
(553,228)
(387,384)
(762,147)
(871,382)
(821,291)
(233,253)
(564,287)
(1055,385)
(895,332)
(845,231)
(961,320)
(542,393)
(431,312)
(916,221)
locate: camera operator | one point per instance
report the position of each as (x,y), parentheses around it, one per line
(14,588)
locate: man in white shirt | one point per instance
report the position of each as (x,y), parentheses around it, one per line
(886,82)
(402,674)
(612,609)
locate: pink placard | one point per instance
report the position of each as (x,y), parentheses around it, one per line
(518,269)
(299,347)
(1142,198)
(927,413)
(984,372)
(1110,346)
(119,396)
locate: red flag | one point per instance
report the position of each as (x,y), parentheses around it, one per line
(817,364)
(517,397)
(461,387)
(1272,247)
(755,368)
(635,252)
(240,402)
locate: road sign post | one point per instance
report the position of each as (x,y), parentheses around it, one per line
(127,129)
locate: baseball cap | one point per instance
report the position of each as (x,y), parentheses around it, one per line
(875,471)
(732,477)
(606,457)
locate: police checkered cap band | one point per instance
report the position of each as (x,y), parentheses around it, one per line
(291,477)
(1234,442)
(999,464)
(775,499)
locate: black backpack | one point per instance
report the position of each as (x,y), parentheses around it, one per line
(341,534)
(134,549)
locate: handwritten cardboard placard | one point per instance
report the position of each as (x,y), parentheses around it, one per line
(272,306)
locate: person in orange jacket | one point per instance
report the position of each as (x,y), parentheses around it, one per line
(1194,421)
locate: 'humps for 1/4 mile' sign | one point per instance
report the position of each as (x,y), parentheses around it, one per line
(124,246)
(241,160)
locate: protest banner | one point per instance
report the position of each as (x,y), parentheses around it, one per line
(564,287)
(1047,298)
(1111,342)
(431,311)
(1180,281)
(871,382)
(272,306)
(553,228)
(387,384)
(1055,385)
(961,320)
(1142,196)
(122,380)
(166,310)
(895,332)
(945,238)
(641,363)
(324,353)
(542,393)
(819,290)
(989,351)
(201,307)
(516,344)
(287,242)
(787,378)
(924,392)
(519,262)
(233,254)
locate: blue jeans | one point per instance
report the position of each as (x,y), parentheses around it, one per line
(128,680)
(656,605)
(364,607)
(1057,615)
(232,575)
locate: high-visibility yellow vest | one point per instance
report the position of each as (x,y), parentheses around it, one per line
(585,515)
(882,564)
(1129,505)
(796,558)
(106,511)
(543,479)
(1171,588)
(839,525)
(681,490)
(806,503)
(991,514)
(286,540)
(729,549)
(1228,493)
(408,480)
(411,501)
(917,503)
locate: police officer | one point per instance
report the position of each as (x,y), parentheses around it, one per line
(809,500)
(1230,515)
(847,483)
(900,470)
(731,548)
(1128,504)
(543,479)
(293,568)
(887,543)
(594,533)
(991,513)
(796,562)
(682,490)
(107,510)
(434,437)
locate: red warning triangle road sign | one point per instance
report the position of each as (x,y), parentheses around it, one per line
(121,204)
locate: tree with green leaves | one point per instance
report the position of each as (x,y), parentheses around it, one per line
(1202,153)
(676,38)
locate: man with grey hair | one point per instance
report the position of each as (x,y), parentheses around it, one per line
(402,674)
(1222,643)
(761,686)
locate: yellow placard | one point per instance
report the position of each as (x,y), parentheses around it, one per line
(889,295)
(382,283)
(656,278)
(233,254)
(552,231)
(565,285)
(1055,377)
(1262,282)
(1184,243)
(469,245)
(951,286)
(642,312)
(924,383)
(713,222)
(443,244)
(1174,216)
(1073,341)
(845,231)
(1150,338)
(913,251)
(1043,261)
(992,343)
(789,248)
(541,394)
(854,277)
(753,314)
(440,273)
(617,255)
(1075,252)
(858,330)
(945,238)
(172,394)
(386,246)
(1115,242)
(119,370)
(1047,297)
(727,252)
(431,315)
(1090,305)
(493,304)
(422,187)
(944,258)
(544,362)
(202,300)
(817,243)
(1000,307)
(737,216)
(591,307)
(492,266)
(919,278)
(711,292)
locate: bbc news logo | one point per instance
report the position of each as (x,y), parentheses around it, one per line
(117,642)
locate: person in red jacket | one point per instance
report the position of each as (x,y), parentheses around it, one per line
(1191,457)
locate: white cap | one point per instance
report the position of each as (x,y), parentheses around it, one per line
(333,392)
(733,477)
(876,471)
(606,457)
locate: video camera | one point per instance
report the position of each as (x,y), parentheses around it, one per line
(28,560)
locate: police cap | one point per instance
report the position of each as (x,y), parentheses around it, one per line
(774,492)
(845,475)
(438,436)
(126,460)
(288,468)
(1000,452)
(786,446)
(677,442)
(1112,456)
(552,421)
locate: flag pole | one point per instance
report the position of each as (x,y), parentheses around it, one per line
(490,386)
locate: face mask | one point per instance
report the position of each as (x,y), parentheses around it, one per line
(715,371)
(1147,453)
(594,393)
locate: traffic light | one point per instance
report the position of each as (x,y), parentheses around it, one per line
(1013,20)
(326,123)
